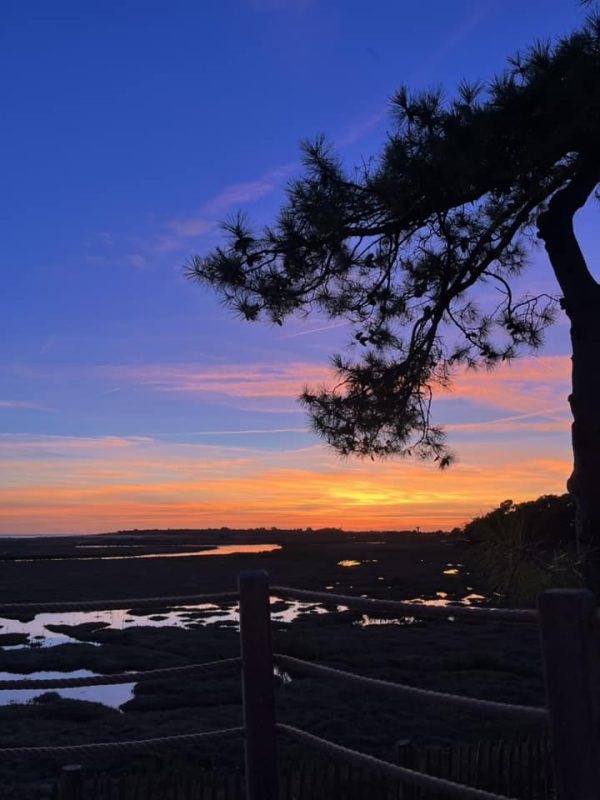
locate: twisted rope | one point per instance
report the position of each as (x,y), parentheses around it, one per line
(113,680)
(472,613)
(110,605)
(111,748)
(523,713)
(418,779)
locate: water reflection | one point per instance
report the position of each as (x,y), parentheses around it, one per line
(350,562)
(367,621)
(113,696)
(284,676)
(211,550)
(40,631)
(441,599)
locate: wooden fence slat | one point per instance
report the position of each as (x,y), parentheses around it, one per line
(550,771)
(570,673)
(534,749)
(514,769)
(70,783)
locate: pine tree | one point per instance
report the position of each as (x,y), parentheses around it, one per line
(401,245)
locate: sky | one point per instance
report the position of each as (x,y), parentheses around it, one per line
(131,398)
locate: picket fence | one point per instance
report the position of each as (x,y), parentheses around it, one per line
(522,769)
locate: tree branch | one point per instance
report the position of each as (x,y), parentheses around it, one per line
(555,228)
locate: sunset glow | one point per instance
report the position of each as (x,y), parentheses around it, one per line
(130,398)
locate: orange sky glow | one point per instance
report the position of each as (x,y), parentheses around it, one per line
(518,450)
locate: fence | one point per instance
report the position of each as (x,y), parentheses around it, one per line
(568,622)
(520,768)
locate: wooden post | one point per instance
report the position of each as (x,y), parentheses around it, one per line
(405,757)
(70,783)
(571,677)
(257,683)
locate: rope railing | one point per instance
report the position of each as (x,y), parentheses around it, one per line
(402,607)
(406,608)
(114,748)
(216,598)
(117,678)
(517,712)
(566,619)
(417,779)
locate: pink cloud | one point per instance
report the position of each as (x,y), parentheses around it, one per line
(527,385)
(534,389)
(17,443)
(251,381)
(549,420)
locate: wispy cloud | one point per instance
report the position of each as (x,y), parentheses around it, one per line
(245,380)
(249,431)
(14,444)
(206,220)
(103,483)
(23,405)
(533,390)
(524,386)
(177,233)
(282,5)
(136,260)
(248,191)
(465,26)
(548,421)
(318,329)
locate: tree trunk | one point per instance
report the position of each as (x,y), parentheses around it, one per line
(584,483)
(582,305)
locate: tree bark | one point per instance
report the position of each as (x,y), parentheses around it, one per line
(581,302)
(584,482)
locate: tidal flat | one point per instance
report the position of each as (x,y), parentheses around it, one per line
(495,661)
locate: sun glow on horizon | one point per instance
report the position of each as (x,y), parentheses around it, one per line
(95,485)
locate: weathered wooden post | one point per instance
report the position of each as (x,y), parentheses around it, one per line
(70,783)
(405,757)
(569,647)
(257,683)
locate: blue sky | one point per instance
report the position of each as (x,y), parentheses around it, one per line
(130,129)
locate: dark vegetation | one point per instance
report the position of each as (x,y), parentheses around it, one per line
(521,549)
(493,661)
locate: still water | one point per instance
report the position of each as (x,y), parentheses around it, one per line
(113,696)
(211,550)
(39,633)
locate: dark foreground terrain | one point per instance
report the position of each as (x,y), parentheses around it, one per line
(493,660)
